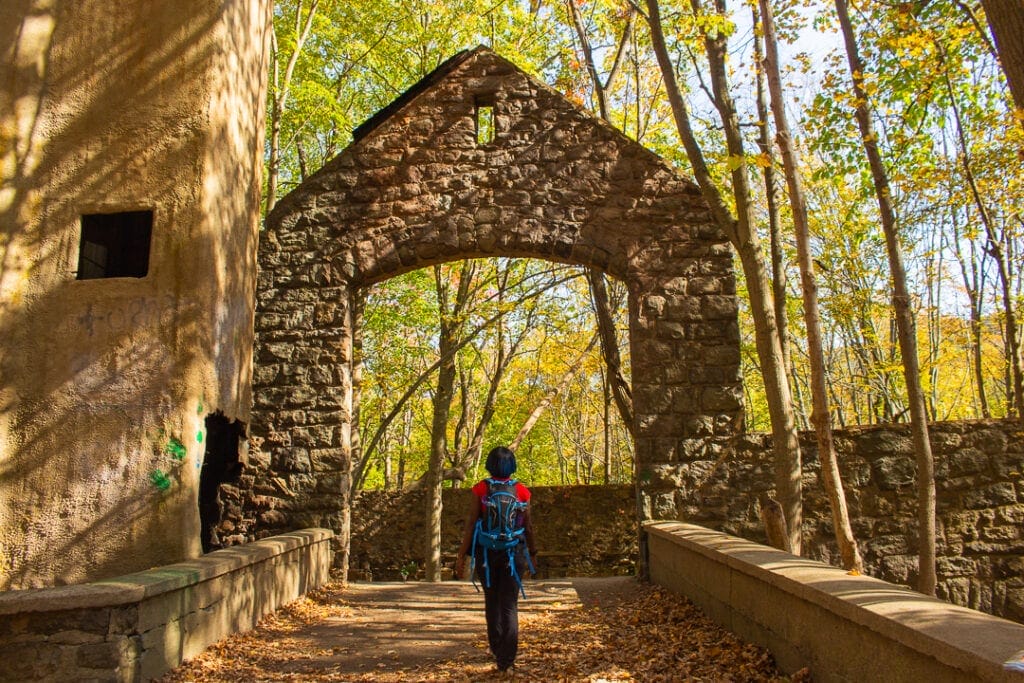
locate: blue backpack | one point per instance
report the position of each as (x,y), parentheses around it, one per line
(500,527)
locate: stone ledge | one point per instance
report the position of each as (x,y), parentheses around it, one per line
(132,588)
(811,614)
(139,626)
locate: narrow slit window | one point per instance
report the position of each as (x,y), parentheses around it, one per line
(115,245)
(484,122)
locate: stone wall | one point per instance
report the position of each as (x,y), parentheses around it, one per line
(979,472)
(980,500)
(139,626)
(580,531)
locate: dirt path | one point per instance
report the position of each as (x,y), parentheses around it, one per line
(607,629)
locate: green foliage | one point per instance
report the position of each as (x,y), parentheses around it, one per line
(544,311)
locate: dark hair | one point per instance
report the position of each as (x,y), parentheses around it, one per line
(501,462)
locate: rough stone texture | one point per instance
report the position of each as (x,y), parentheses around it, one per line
(979,473)
(581,531)
(415,189)
(109,108)
(137,627)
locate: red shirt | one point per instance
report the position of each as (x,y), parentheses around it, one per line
(480,490)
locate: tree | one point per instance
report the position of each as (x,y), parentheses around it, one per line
(452,312)
(281,87)
(905,324)
(820,414)
(618,384)
(740,229)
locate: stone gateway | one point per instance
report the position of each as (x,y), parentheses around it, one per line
(422,184)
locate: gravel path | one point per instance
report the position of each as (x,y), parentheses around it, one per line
(596,629)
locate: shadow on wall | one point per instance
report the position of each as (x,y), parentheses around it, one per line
(102,377)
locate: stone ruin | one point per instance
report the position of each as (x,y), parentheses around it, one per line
(420,185)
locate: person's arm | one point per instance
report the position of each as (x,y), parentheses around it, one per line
(467,536)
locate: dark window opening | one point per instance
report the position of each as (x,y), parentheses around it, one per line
(485,124)
(115,245)
(221,465)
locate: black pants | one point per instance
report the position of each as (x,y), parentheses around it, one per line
(501,606)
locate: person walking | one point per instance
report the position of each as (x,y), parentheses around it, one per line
(499,536)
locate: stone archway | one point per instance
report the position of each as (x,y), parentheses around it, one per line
(418,187)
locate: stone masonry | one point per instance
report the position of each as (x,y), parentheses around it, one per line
(581,531)
(417,188)
(589,531)
(979,479)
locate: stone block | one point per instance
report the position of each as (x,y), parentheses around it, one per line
(956,566)
(989,440)
(1000,534)
(104,655)
(994,495)
(967,461)
(885,442)
(717,307)
(893,472)
(721,399)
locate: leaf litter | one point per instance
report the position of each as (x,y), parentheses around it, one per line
(643,634)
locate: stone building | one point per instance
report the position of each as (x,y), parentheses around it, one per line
(130,155)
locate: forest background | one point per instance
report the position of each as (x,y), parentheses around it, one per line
(507,351)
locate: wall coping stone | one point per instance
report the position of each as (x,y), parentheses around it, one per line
(132,588)
(975,643)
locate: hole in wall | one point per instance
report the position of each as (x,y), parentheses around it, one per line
(221,464)
(485,124)
(115,245)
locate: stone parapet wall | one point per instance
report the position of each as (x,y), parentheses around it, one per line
(840,627)
(581,531)
(136,627)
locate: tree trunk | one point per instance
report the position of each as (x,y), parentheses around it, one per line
(905,325)
(598,288)
(506,352)
(740,232)
(774,524)
(1006,19)
(550,397)
(970,272)
(771,192)
(620,388)
(820,414)
(450,324)
(358,309)
(607,391)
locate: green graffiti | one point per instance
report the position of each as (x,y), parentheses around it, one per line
(199,409)
(176,449)
(199,436)
(160,480)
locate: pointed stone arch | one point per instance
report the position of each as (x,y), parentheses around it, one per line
(417,187)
